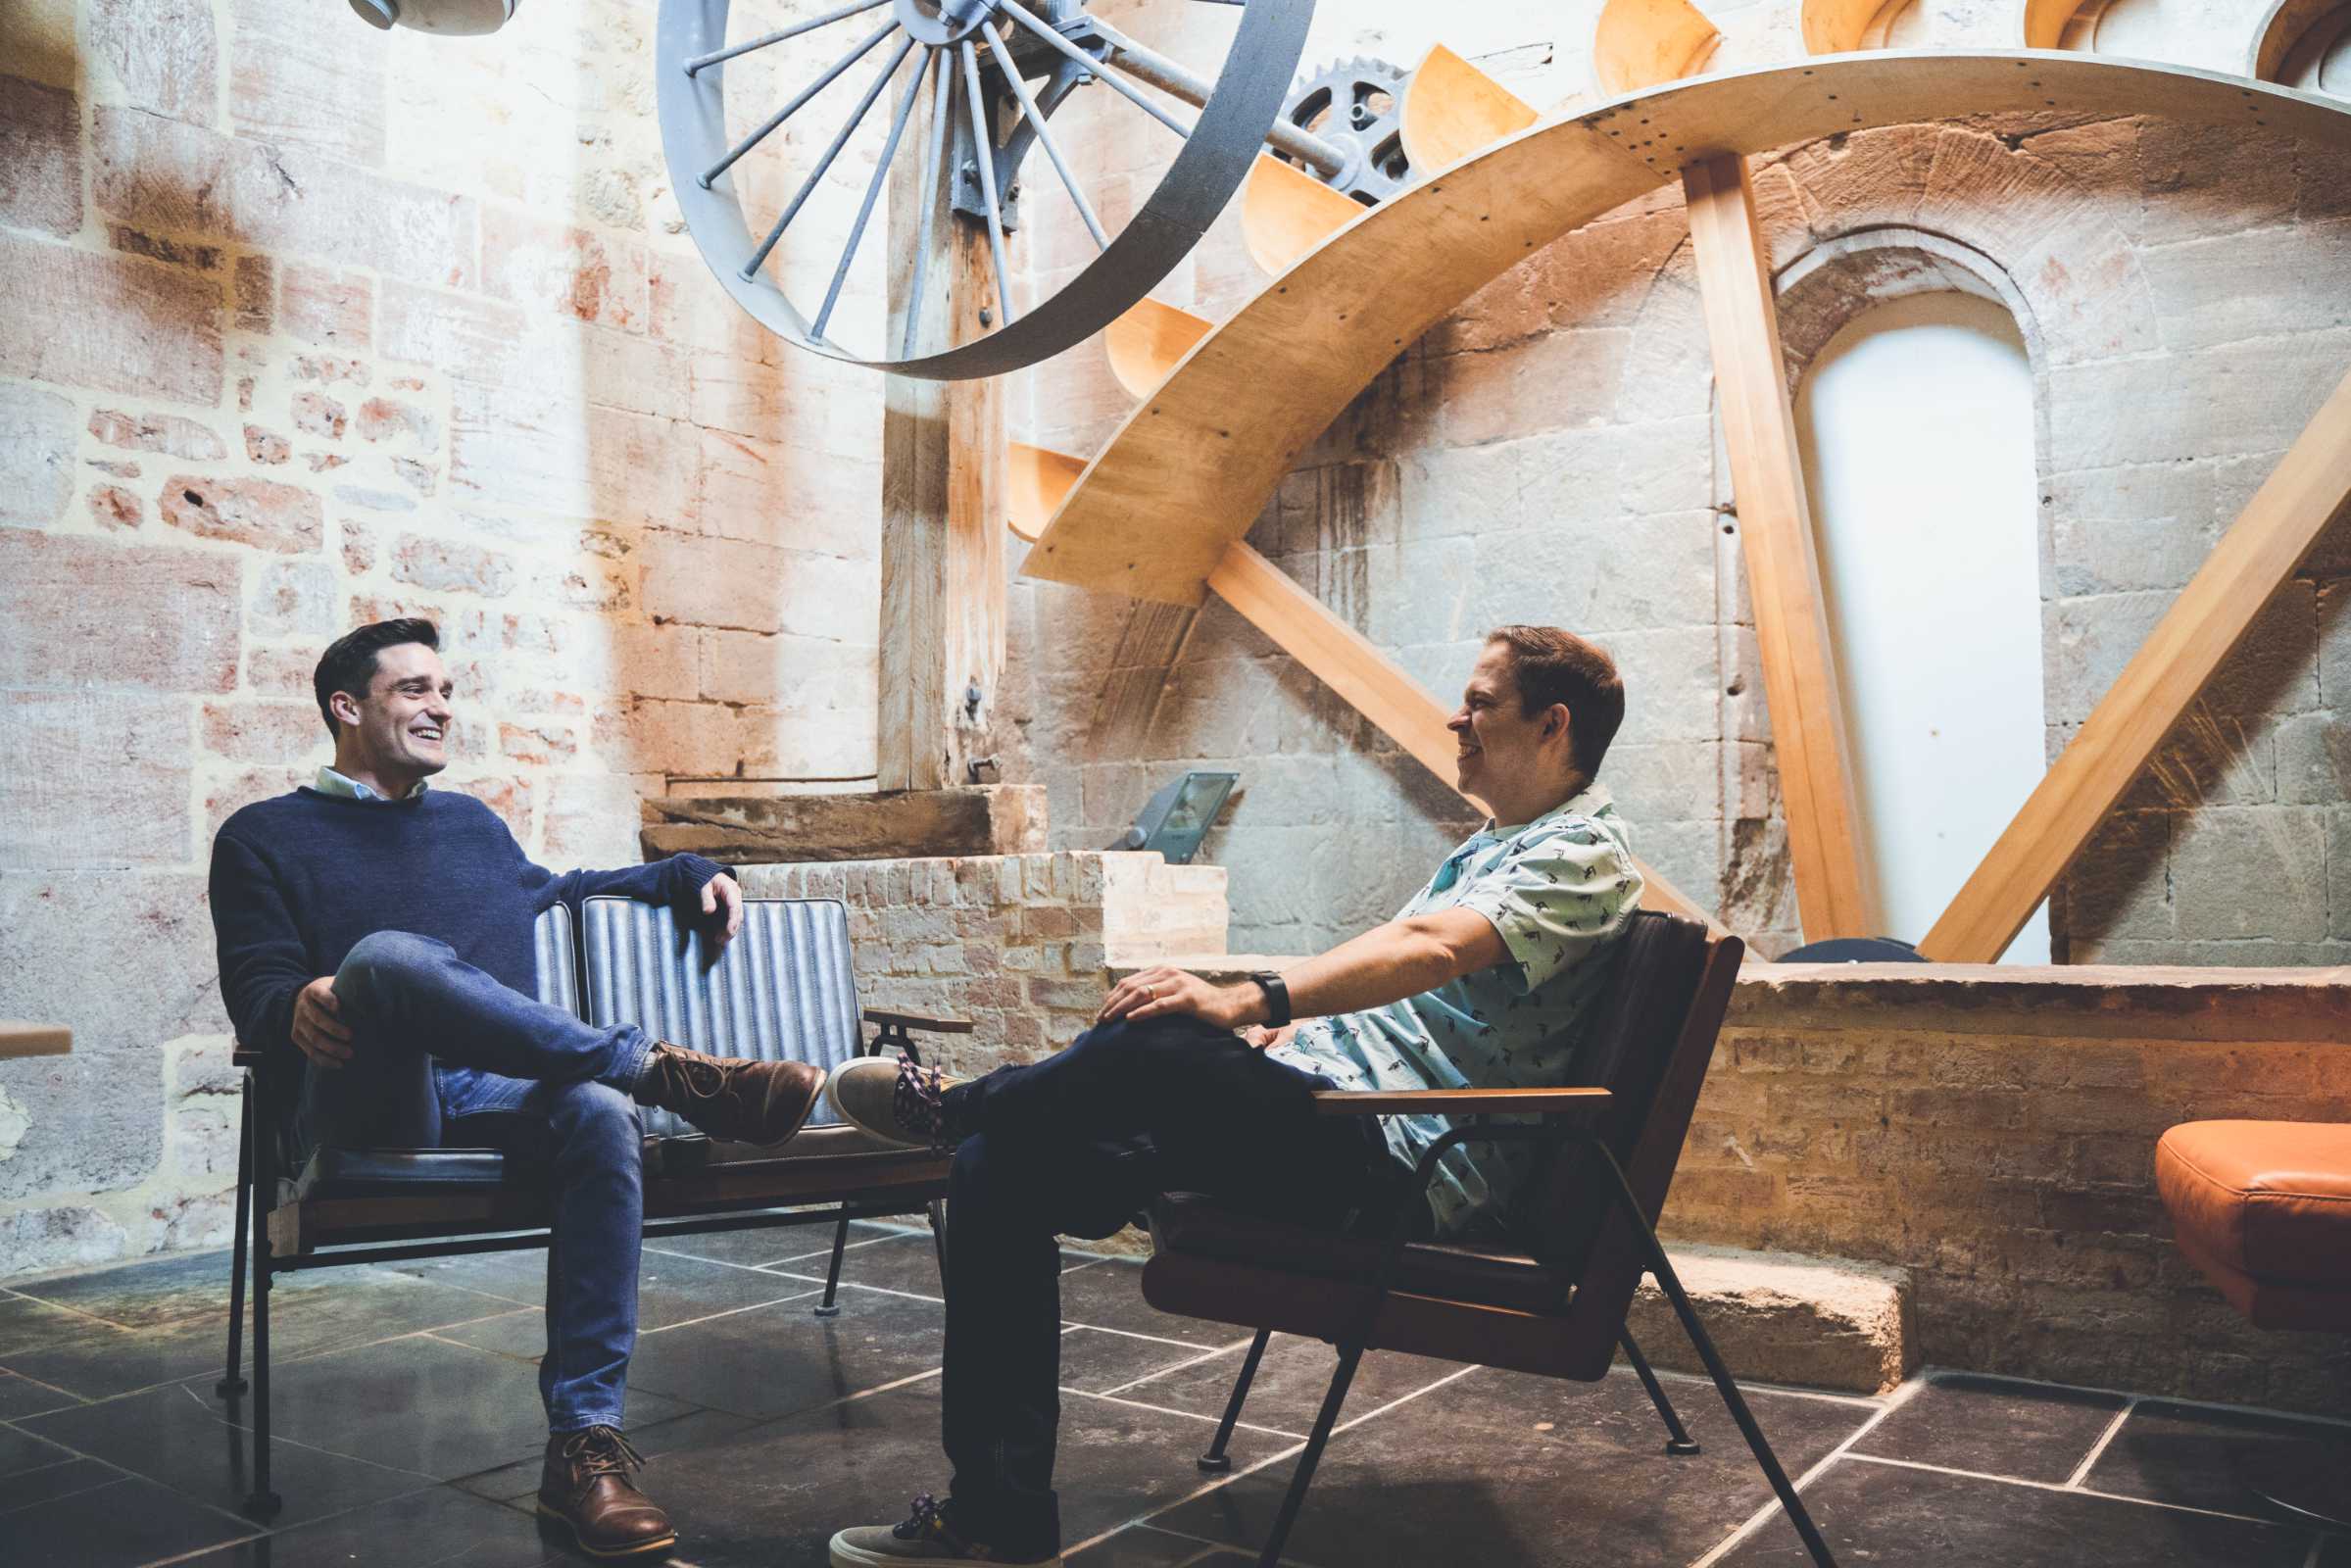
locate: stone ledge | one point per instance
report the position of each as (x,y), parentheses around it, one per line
(1778,1317)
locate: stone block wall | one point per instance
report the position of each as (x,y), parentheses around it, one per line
(306,325)
(1995,1135)
(1019,944)
(1549,453)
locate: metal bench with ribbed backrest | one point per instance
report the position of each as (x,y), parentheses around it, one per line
(783,989)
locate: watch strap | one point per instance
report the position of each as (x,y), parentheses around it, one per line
(1277,998)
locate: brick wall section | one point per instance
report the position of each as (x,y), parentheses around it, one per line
(1996,1137)
(1016,943)
(307,325)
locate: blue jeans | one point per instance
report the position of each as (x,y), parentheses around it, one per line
(1075,1146)
(510,1072)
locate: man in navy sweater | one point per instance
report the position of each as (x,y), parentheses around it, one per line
(369,920)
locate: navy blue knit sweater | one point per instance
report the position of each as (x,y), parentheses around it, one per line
(298,879)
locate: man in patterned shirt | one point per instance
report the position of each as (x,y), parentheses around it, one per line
(1486,978)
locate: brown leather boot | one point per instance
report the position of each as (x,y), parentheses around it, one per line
(732,1098)
(585,1483)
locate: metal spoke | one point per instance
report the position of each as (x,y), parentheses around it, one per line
(824,163)
(943,93)
(873,192)
(1101,72)
(830,76)
(984,148)
(1044,135)
(694,65)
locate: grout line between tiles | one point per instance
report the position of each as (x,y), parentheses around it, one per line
(2051,1486)
(2317,1545)
(774,1264)
(2097,1450)
(218,1545)
(1188,1415)
(1865,1402)
(1273,1459)
(733,1311)
(2177,1401)
(52,1388)
(1168,1371)
(1156,1339)
(1762,1516)
(1286,1560)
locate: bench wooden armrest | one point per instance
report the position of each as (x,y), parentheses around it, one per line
(1457,1101)
(911,1020)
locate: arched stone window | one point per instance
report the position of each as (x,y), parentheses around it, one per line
(1914,399)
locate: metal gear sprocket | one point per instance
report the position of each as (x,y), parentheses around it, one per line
(1356,103)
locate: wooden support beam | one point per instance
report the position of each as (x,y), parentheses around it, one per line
(2310,486)
(1767,476)
(1367,679)
(902,824)
(944,506)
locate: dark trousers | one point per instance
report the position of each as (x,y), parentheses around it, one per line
(444,1055)
(1077,1145)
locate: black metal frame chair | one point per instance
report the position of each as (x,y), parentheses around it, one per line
(783,988)
(1559,1309)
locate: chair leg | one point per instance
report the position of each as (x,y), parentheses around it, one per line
(1214,1461)
(261,1503)
(1678,1441)
(1667,1281)
(936,1211)
(829,1307)
(1349,1357)
(231,1381)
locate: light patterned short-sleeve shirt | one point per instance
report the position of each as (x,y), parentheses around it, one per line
(1560,892)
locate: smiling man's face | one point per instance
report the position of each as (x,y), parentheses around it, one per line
(402,727)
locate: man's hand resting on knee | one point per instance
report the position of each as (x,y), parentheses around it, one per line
(1159,990)
(323,1037)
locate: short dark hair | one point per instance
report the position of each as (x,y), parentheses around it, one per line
(1551,665)
(349,663)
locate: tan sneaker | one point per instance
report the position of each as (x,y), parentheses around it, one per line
(733,1098)
(893,1102)
(585,1482)
(924,1537)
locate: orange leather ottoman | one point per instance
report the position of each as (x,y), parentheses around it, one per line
(2263,1208)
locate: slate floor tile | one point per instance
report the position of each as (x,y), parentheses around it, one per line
(2187,1454)
(181,1438)
(123,1523)
(908,1263)
(773,1360)
(21,1449)
(1499,1468)
(774,1244)
(1099,1362)
(442,1527)
(29,1325)
(52,1481)
(146,1295)
(1290,1382)
(1109,1295)
(1965,1421)
(1142,1546)
(426,1405)
(308,1313)
(775,1494)
(671,1291)
(1879,1513)
(22,1396)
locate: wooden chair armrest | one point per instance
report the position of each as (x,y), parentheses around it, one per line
(1457,1101)
(911,1020)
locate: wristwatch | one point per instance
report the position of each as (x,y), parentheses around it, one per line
(1277,998)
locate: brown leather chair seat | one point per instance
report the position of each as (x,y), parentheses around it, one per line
(2264,1209)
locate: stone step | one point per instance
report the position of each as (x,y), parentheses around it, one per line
(1776,1318)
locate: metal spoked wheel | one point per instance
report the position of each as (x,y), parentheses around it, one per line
(992,73)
